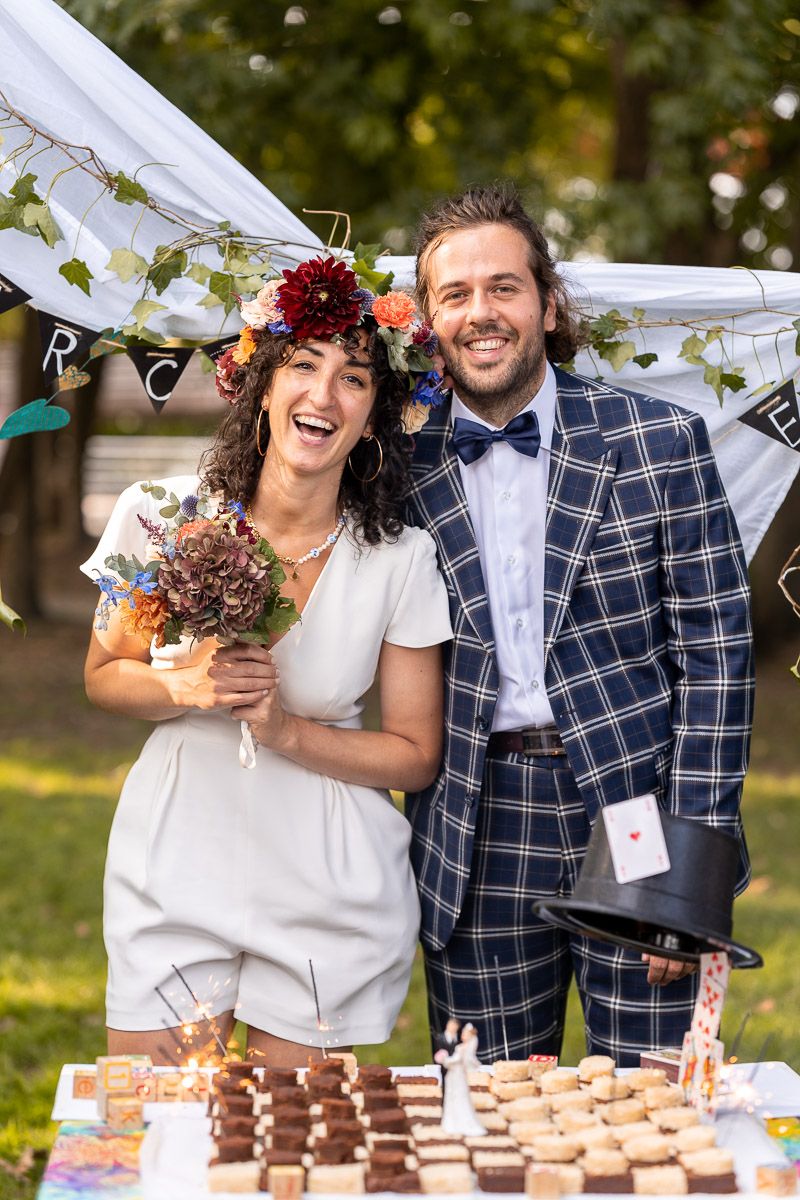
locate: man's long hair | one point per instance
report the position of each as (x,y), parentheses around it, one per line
(500,204)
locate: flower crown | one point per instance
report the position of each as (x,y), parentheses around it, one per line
(322,299)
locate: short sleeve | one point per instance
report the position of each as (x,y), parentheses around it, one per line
(124,533)
(422,615)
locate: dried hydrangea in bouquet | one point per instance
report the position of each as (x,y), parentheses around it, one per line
(211,575)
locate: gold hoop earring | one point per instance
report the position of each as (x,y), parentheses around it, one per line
(261,412)
(369,478)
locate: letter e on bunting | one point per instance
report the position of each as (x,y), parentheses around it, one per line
(159,370)
(778,414)
(64,344)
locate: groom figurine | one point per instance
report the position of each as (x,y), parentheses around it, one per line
(602,646)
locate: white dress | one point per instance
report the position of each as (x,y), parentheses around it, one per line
(240,877)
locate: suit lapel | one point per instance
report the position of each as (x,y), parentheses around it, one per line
(582,469)
(439,495)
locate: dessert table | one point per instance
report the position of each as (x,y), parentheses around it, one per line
(759,1121)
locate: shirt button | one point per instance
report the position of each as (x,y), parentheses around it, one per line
(535,684)
(512,558)
(505,495)
(469,800)
(483,723)
(519,622)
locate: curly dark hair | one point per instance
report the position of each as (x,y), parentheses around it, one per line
(501,204)
(233,463)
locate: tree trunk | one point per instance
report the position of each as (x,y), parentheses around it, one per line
(19,495)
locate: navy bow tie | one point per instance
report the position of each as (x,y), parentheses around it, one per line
(471,440)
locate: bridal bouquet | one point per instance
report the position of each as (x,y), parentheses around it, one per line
(211,575)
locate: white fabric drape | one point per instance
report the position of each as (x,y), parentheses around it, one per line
(69,84)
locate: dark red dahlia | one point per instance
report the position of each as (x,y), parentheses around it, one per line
(317,299)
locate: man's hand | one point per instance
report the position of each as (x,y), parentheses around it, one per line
(666,970)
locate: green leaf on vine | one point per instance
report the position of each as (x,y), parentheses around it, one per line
(128,191)
(223,286)
(76,272)
(127,263)
(691,349)
(38,215)
(377,281)
(23,190)
(167,264)
(199,272)
(796,326)
(644,360)
(11,216)
(143,309)
(617,353)
(638,314)
(209,301)
(719,380)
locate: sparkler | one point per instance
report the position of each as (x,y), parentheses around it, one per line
(732,1057)
(320,1025)
(202,1013)
(502,1005)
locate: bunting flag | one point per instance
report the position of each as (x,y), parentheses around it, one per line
(215,350)
(63,345)
(159,369)
(10,295)
(778,414)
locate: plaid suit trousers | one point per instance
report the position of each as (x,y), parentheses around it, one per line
(531,835)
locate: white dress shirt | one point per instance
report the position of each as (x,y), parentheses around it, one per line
(507,496)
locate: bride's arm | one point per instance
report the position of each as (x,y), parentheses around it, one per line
(405,753)
(118,676)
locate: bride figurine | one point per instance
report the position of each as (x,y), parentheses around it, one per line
(458,1115)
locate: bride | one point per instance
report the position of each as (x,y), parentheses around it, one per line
(239,878)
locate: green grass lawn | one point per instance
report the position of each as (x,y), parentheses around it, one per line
(61,768)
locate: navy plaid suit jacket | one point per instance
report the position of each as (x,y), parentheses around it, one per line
(648,648)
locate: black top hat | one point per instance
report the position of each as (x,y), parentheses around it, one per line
(682,913)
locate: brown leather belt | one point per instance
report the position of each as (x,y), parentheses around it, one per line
(546,740)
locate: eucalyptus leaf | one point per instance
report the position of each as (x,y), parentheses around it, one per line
(155,490)
(169,511)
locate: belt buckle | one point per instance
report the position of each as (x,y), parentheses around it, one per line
(538,749)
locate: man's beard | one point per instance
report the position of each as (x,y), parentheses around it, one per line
(499,396)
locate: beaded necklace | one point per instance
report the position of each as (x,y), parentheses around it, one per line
(294,563)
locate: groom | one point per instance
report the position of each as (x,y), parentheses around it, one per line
(602,643)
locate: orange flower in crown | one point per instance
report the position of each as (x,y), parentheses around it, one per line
(394,310)
(244,351)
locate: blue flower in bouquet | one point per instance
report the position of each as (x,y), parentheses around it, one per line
(279,327)
(142,581)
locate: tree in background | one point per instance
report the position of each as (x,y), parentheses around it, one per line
(640,130)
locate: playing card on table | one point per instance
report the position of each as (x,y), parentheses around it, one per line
(715,968)
(636,839)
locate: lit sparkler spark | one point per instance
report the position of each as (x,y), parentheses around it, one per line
(202,1010)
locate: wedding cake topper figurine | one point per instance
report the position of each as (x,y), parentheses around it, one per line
(458,1115)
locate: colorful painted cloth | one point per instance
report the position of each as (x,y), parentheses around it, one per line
(90,1161)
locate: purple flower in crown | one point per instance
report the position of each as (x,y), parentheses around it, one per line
(279,327)
(365,298)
